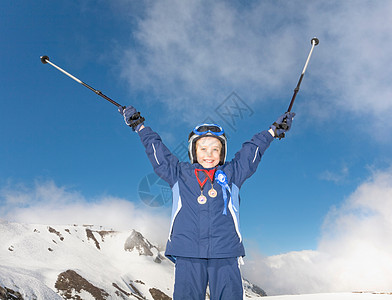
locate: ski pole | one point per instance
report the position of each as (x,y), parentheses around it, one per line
(45,60)
(315,42)
(283,125)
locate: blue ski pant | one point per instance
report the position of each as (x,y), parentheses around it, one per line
(193,274)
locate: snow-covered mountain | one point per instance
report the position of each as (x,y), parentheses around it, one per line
(84,262)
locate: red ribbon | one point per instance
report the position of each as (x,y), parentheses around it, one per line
(210,174)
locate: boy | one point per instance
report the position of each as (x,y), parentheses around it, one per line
(204,240)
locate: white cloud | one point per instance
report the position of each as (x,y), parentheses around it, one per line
(336,177)
(354,252)
(47,203)
(353,58)
(196,52)
(193,53)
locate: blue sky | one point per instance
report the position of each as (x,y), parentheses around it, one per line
(67,155)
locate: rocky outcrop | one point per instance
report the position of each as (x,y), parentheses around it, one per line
(91,236)
(136,241)
(158,294)
(253,289)
(69,284)
(52,230)
(9,294)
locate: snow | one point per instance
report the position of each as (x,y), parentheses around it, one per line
(26,282)
(33,256)
(333,296)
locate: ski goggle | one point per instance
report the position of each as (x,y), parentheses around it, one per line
(208,128)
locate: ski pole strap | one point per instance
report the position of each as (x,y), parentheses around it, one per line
(136,119)
(283,126)
(221,179)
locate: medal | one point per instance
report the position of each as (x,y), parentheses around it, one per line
(202,199)
(212,193)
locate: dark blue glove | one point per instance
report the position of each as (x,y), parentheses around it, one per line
(282,124)
(132,117)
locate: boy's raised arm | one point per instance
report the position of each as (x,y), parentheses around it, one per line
(162,160)
(248,157)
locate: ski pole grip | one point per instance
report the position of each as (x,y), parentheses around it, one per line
(284,125)
(44,59)
(315,41)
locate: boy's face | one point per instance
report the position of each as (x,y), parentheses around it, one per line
(208,150)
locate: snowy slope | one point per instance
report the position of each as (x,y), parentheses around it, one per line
(33,256)
(334,296)
(56,262)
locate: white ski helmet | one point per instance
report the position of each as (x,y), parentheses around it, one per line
(204,130)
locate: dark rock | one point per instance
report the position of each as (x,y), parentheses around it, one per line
(121,290)
(136,292)
(90,235)
(254,288)
(158,294)
(104,233)
(9,294)
(69,282)
(52,230)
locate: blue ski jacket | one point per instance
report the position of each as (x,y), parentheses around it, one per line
(202,230)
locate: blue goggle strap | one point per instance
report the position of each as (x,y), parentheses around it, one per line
(195,131)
